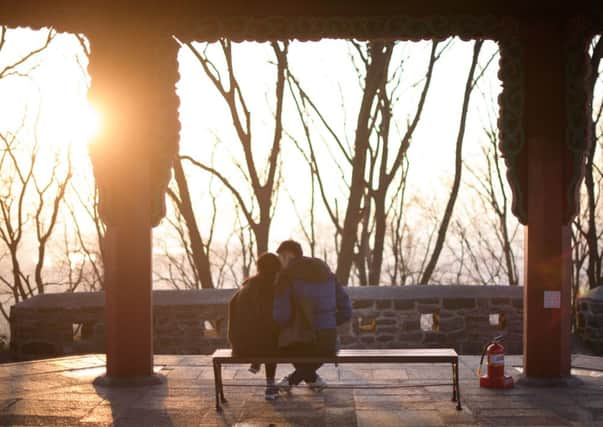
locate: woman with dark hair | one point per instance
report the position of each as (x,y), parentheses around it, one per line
(251,328)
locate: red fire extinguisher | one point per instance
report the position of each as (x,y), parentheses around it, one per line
(495,376)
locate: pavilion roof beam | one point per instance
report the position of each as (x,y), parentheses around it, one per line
(182,16)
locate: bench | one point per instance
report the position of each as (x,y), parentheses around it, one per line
(419,355)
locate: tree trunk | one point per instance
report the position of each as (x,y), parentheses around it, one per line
(199,253)
(363,256)
(379,242)
(261,232)
(18,290)
(39,267)
(375,73)
(385,177)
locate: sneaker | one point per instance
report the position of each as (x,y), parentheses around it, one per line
(284,384)
(318,385)
(254,369)
(271,392)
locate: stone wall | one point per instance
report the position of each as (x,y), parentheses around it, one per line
(463,317)
(185,322)
(195,322)
(589,321)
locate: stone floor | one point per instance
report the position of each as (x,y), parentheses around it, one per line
(59,392)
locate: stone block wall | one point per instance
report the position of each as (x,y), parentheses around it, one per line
(195,322)
(462,317)
(57,324)
(185,322)
(589,321)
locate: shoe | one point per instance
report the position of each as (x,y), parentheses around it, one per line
(318,385)
(271,392)
(284,384)
(254,369)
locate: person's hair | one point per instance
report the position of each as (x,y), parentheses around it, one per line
(268,264)
(290,246)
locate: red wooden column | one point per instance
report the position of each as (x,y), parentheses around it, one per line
(128,298)
(547,237)
(133,76)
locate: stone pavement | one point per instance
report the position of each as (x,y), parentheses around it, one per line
(59,392)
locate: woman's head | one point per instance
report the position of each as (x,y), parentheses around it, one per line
(268,264)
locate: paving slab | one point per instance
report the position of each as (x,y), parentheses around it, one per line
(60,392)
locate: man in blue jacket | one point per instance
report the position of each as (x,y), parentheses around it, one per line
(309,282)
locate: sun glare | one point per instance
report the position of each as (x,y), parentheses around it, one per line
(90,124)
(71,124)
(85,124)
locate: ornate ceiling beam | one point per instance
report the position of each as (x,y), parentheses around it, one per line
(183,16)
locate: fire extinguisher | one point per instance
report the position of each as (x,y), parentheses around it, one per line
(495,376)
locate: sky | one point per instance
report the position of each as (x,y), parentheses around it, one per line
(325,69)
(58,83)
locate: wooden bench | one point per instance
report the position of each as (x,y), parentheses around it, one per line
(419,355)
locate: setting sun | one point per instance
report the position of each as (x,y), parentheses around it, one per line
(89,124)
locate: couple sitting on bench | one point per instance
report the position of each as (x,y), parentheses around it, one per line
(290,307)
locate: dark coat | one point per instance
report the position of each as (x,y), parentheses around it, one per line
(251,328)
(310,282)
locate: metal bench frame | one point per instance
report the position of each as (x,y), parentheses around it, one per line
(419,355)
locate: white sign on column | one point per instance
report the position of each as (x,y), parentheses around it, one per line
(552,299)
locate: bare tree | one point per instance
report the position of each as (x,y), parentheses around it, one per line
(23,65)
(376,63)
(579,245)
(35,181)
(472,79)
(308,230)
(196,248)
(244,235)
(264,184)
(176,268)
(29,198)
(13,216)
(83,207)
(409,245)
(384,171)
(74,265)
(222,263)
(376,158)
(592,180)
(83,229)
(398,234)
(587,229)
(491,251)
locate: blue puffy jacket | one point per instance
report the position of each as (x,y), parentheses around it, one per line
(312,280)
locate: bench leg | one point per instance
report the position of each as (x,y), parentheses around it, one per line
(222,398)
(453,382)
(456,394)
(218,384)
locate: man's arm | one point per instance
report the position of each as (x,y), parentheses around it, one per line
(344,305)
